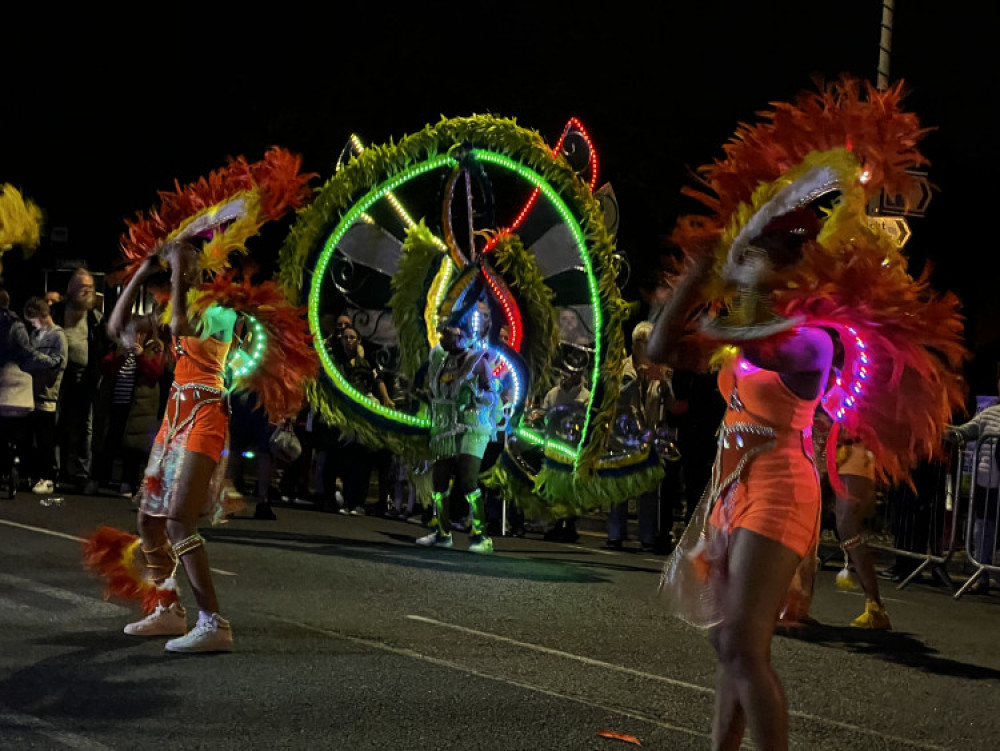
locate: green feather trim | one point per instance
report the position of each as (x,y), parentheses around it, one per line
(515,487)
(334,410)
(425,487)
(568,495)
(520,271)
(410,286)
(558,493)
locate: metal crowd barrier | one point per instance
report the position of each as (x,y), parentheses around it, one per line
(982,512)
(939,541)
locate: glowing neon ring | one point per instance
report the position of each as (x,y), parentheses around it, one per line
(321,227)
(378,192)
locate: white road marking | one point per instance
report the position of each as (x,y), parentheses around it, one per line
(592,550)
(63,535)
(859,593)
(404,652)
(90,604)
(670,681)
(566,655)
(50,532)
(12,718)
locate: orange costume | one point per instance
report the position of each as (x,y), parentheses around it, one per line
(764,478)
(196,420)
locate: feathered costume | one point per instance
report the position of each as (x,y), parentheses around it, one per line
(899,384)
(226,209)
(20,221)
(276,362)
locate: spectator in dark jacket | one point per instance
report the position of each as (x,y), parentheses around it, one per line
(18,360)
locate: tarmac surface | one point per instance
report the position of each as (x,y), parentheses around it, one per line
(349,636)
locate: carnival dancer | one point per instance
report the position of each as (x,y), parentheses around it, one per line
(193,233)
(182,480)
(854,504)
(464,405)
(774,277)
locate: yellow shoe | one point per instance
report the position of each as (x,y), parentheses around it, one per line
(874,617)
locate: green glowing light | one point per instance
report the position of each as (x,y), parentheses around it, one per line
(581,242)
(382,190)
(243,363)
(319,274)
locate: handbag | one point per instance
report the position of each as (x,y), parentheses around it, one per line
(285,445)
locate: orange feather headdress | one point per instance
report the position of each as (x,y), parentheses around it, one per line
(225,209)
(900,382)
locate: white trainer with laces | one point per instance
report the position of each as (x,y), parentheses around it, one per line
(164,621)
(434,540)
(213,634)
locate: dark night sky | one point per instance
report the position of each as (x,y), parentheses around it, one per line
(100,118)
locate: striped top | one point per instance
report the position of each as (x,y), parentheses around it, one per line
(125,380)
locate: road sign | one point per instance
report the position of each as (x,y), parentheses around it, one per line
(895,227)
(914,204)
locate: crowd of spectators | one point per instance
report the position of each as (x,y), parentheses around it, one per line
(78,413)
(94,403)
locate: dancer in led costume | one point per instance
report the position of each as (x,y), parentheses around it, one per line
(465,410)
(193,232)
(401,231)
(775,275)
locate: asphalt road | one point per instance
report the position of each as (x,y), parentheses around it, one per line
(348,636)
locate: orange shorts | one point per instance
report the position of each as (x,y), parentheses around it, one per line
(208,430)
(778,497)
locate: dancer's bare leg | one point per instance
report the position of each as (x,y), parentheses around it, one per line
(748,691)
(852,512)
(155,546)
(192,487)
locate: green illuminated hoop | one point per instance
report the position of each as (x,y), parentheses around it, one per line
(381,170)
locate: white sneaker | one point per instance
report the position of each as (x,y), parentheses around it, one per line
(434,540)
(358,511)
(43,487)
(210,635)
(125,491)
(164,621)
(483,545)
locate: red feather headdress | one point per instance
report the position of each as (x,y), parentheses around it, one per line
(225,209)
(900,383)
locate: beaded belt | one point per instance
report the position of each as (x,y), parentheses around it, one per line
(178,392)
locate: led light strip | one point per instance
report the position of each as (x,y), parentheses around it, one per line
(595,299)
(380,191)
(401,212)
(510,311)
(515,374)
(319,274)
(434,297)
(855,390)
(247,362)
(533,199)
